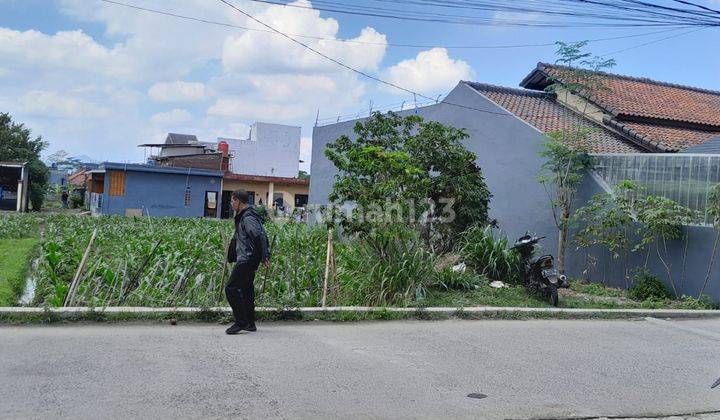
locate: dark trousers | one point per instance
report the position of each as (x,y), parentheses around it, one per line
(240,292)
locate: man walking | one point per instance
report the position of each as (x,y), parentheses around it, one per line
(64,199)
(248,248)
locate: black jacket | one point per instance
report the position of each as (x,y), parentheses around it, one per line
(250,241)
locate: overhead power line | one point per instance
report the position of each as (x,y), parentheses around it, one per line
(576,13)
(341,64)
(369,76)
(389,44)
(611,53)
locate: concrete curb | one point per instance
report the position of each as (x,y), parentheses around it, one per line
(330,312)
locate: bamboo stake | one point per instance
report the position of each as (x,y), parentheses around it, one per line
(327,267)
(333,270)
(73,286)
(132,284)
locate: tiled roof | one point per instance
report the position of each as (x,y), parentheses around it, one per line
(625,96)
(681,138)
(540,110)
(673,116)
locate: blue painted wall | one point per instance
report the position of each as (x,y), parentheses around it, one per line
(162,194)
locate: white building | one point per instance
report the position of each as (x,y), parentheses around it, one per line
(270,150)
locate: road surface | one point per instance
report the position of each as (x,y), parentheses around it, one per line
(392,369)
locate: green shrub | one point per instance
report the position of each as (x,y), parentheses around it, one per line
(385,267)
(76,201)
(447,279)
(490,255)
(648,287)
(689,302)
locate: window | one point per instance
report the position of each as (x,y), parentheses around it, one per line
(210,204)
(301,200)
(117,183)
(211,199)
(187,196)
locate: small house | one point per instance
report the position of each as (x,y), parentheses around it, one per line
(135,190)
(14,186)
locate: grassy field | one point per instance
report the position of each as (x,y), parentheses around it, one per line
(168,262)
(14,265)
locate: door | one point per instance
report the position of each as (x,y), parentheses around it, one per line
(225,209)
(211,204)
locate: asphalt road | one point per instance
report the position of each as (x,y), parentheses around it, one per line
(403,369)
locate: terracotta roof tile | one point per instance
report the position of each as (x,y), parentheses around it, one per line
(541,111)
(677,138)
(625,96)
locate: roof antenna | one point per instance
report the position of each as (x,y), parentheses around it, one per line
(402,106)
(338,120)
(415,100)
(438,98)
(317,117)
(370,112)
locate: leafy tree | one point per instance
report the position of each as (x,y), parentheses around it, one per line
(62,160)
(566,149)
(607,221)
(713,208)
(610,220)
(561,175)
(661,219)
(405,166)
(16,144)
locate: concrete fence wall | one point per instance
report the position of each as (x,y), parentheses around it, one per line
(688,258)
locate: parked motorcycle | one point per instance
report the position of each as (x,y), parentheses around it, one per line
(539,274)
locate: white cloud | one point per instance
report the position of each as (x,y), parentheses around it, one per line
(430,71)
(172,117)
(66,50)
(102,94)
(51,104)
(287,98)
(258,51)
(178,91)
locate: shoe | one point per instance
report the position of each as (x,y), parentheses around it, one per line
(234,329)
(251,328)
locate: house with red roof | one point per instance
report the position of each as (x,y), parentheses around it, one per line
(661,135)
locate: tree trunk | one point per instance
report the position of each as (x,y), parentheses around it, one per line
(710,266)
(562,239)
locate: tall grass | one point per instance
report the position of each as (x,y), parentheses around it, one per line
(385,268)
(296,275)
(489,254)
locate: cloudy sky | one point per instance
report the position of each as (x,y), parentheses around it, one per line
(98,79)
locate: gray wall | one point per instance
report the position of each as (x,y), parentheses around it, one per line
(507,150)
(688,276)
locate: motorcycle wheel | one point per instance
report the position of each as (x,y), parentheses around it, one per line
(554,295)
